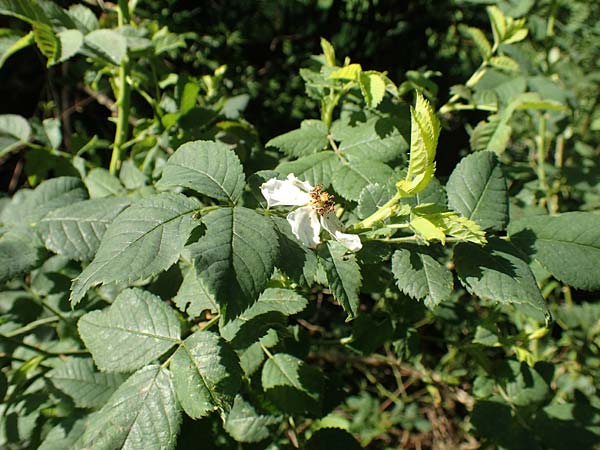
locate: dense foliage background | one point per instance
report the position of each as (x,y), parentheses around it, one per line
(463,334)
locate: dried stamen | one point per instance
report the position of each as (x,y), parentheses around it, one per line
(321,201)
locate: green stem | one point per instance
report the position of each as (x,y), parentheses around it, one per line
(380,215)
(31,326)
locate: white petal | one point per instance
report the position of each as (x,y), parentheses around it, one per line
(332,224)
(305,226)
(290,192)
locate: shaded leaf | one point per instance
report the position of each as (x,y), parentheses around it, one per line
(244,424)
(310,138)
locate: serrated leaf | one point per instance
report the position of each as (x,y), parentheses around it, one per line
(328,52)
(32,11)
(236,257)
(109,44)
(425,130)
(88,388)
(84,17)
(142,241)
(209,168)
(135,330)
(463,228)
(478,37)
(11,41)
(568,245)
(244,424)
(75,230)
(295,387)
(271,309)
(20,252)
(496,273)
(142,414)
(206,373)
(70,43)
(192,296)
(64,435)
(373,197)
(350,72)
(372,86)
(343,275)
(47,41)
(14,132)
(351,178)
(504,62)
(310,138)
(477,190)
(101,183)
(492,135)
(317,169)
(419,275)
(498,21)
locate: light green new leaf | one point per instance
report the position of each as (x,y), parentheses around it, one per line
(328,52)
(271,309)
(350,72)
(372,87)
(295,387)
(142,241)
(244,424)
(343,275)
(47,41)
(478,37)
(236,257)
(209,168)
(76,230)
(109,44)
(132,332)
(425,130)
(477,190)
(11,41)
(88,388)
(206,374)
(504,62)
(495,272)
(14,133)
(20,252)
(142,414)
(567,245)
(351,178)
(421,276)
(310,138)
(316,169)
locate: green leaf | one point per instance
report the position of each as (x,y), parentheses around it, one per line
(310,138)
(504,63)
(372,86)
(14,133)
(47,41)
(135,330)
(78,378)
(64,435)
(142,241)
(29,207)
(425,130)
(421,276)
(76,230)
(20,252)
(316,169)
(206,373)
(567,245)
(11,41)
(492,135)
(295,387)
(343,275)
(209,168)
(373,197)
(526,386)
(271,308)
(109,44)
(498,21)
(244,424)
(236,257)
(40,11)
(478,37)
(142,414)
(350,72)
(101,183)
(495,272)
(477,190)
(351,178)
(330,438)
(70,43)
(192,296)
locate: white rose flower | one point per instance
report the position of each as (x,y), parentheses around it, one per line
(316,211)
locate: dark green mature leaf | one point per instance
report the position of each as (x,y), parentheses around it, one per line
(332,438)
(310,138)
(20,252)
(109,44)
(316,169)
(526,386)
(271,309)
(142,414)
(568,245)
(209,168)
(420,275)
(101,183)
(492,135)
(192,296)
(78,378)
(76,230)
(236,257)
(64,435)
(142,241)
(14,133)
(373,197)
(351,178)
(343,275)
(295,260)
(496,273)
(477,190)
(244,424)
(28,207)
(31,11)
(295,387)
(135,330)
(206,373)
